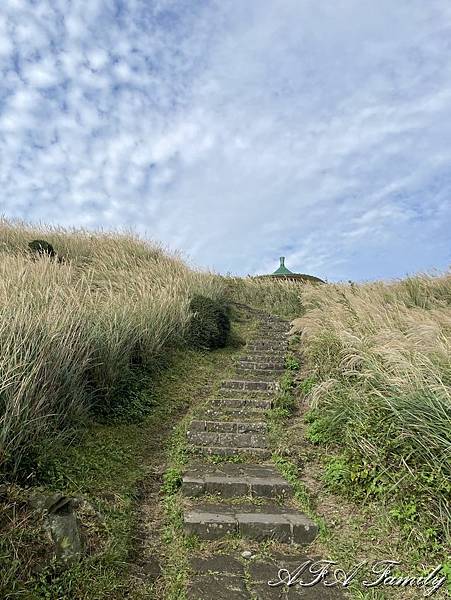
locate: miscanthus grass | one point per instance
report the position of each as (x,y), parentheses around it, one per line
(71,330)
(379,359)
(276,296)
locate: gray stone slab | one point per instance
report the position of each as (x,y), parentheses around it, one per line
(248,384)
(193,487)
(246,394)
(251,427)
(209,525)
(261,453)
(262,591)
(304,529)
(270,487)
(231,426)
(242,403)
(217,587)
(232,487)
(261,572)
(258,522)
(264,526)
(228,440)
(234,481)
(234,413)
(220,563)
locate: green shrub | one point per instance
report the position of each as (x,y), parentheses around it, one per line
(210,323)
(42,248)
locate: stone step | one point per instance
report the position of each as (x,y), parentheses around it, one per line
(264,356)
(234,394)
(272,335)
(249,385)
(225,413)
(242,403)
(266,345)
(263,365)
(255,372)
(225,577)
(270,338)
(273,352)
(197,426)
(260,363)
(227,440)
(254,453)
(256,522)
(233,480)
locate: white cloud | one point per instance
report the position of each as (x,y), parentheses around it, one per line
(236,131)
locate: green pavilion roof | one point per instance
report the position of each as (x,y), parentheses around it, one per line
(282,270)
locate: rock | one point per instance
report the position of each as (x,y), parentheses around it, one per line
(246,554)
(66,536)
(61,523)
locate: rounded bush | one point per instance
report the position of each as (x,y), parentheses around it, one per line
(210,324)
(42,248)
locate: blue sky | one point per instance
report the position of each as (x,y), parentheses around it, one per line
(235,130)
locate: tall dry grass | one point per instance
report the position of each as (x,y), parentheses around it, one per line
(70,332)
(275,296)
(379,357)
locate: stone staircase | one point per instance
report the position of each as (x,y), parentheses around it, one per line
(251,499)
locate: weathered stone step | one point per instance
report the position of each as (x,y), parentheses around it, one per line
(225,577)
(234,480)
(270,340)
(261,362)
(234,394)
(255,372)
(257,522)
(271,365)
(242,403)
(249,385)
(227,440)
(227,426)
(270,335)
(254,453)
(279,353)
(266,345)
(225,413)
(264,357)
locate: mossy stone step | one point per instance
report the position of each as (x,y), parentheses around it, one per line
(228,414)
(256,372)
(260,363)
(227,440)
(199,425)
(234,480)
(266,346)
(227,452)
(258,522)
(229,577)
(263,365)
(241,403)
(267,355)
(249,385)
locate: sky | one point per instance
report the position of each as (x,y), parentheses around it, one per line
(235,131)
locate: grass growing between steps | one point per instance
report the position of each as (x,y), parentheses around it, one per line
(175,546)
(179,547)
(349,532)
(107,469)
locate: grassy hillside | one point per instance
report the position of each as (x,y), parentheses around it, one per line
(75,332)
(377,374)
(277,296)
